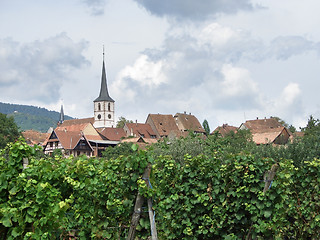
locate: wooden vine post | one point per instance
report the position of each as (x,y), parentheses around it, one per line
(138,209)
(268,178)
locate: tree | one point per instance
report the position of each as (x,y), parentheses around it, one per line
(124,149)
(122,121)
(9,131)
(312,126)
(206,127)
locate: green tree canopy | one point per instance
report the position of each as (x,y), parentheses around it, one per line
(206,127)
(122,121)
(9,131)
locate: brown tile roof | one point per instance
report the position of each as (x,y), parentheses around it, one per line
(141,142)
(72,127)
(268,135)
(35,137)
(225,129)
(150,140)
(163,124)
(133,140)
(68,140)
(298,134)
(139,129)
(187,122)
(77,121)
(260,125)
(112,134)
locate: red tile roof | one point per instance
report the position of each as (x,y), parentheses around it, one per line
(225,129)
(112,134)
(163,124)
(268,136)
(68,140)
(35,137)
(260,125)
(187,122)
(77,121)
(139,129)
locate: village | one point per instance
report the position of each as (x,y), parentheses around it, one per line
(91,136)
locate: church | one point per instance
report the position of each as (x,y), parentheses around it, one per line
(88,136)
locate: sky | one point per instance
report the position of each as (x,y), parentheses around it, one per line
(226,61)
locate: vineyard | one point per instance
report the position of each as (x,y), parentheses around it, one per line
(200,189)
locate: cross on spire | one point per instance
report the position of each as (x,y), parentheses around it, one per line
(103,51)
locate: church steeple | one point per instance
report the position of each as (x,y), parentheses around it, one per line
(61,118)
(104,94)
(104,104)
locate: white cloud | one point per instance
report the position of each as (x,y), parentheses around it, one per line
(37,70)
(237,82)
(194,10)
(284,47)
(145,72)
(96,7)
(291,93)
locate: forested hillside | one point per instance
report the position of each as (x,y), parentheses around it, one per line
(31,117)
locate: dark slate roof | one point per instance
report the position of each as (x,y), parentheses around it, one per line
(104,95)
(61,119)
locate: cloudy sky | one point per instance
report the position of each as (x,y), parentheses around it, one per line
(226,61)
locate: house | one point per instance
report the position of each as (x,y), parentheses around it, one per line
(163,125)
(267,131)
(76,139)
(188,122)
(225,129)
(277,136)
(143,130)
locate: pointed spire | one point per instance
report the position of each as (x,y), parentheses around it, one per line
(61,119)
(104,94)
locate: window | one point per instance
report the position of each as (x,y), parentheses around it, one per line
(99,116)
(56,144)
(109,116)
(99,107)
(51,144)
(109,107)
